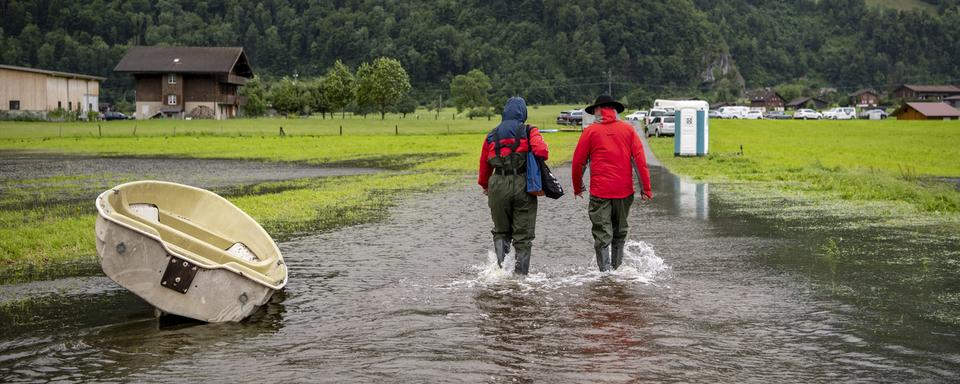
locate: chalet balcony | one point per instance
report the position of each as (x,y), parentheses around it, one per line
(232,99)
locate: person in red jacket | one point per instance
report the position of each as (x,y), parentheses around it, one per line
(613,149)
(503,168)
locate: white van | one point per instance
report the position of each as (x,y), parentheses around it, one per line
(733,112)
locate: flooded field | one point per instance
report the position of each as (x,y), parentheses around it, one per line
(708,294)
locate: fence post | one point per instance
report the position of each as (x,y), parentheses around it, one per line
(396,130)
(341,129)
(134,129)
(282,133)
(99,130)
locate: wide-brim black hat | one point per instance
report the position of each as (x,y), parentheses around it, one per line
(604,101)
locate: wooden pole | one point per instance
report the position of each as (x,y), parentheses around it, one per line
(341,129)
(396,130)
(99,130)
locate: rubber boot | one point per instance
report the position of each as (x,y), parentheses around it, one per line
(603,259)
(501,246)
(617,256)
(506,245)
(523,263)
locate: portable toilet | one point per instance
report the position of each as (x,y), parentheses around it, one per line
(691,127)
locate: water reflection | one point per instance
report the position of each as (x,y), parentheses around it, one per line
(691,199)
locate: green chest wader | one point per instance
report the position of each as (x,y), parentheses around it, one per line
(513,210)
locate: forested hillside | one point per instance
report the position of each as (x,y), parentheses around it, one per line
(549,51)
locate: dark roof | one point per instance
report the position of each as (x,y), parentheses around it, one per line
(803,100)
(932,88)
(862,91)
(765,94)
(53,73)
(218,60)
(931,109)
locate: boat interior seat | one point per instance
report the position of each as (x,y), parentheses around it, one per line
(186,237)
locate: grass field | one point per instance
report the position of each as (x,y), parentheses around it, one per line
(422,122)
(887,161)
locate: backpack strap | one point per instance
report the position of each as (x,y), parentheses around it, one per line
(518,134)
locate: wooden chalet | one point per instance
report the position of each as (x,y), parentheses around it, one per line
(807,103)
(926,111)
(864,98)
(767,100)
(926,92)
(179,82)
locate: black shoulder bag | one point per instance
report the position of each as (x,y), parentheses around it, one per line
(551,186)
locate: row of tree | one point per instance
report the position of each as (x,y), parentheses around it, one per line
(381,86)
(547,50)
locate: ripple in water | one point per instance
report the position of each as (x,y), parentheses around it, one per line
(640,265)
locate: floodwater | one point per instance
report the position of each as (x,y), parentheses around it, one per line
(86,176)
(707,294)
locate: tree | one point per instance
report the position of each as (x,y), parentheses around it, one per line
(316,89)
(339,87)
(470,91)
(382,84)
(256,104)
(407,105)
(287,96)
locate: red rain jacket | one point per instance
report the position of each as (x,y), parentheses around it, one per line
(609,146)
(488,152)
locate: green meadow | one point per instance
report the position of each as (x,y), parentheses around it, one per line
(910,164)
(46,224)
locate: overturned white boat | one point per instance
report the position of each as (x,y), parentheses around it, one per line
(187,251)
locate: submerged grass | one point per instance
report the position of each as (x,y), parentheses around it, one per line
(897,168)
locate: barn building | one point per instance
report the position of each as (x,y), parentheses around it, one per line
(180,82)
(927,111)
(41,91)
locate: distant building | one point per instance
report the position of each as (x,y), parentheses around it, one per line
(40,90)
(806,103)
(767,100)
(954,101)
(926,111)
(926,92)
(864,98)
(178,82)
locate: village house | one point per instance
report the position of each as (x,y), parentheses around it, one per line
(179,82)
(767,100)
(41,91)
(926,92)
(954,101)
(864,98)
(806,103)
(926,111)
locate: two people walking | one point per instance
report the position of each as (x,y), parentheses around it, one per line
(612,148)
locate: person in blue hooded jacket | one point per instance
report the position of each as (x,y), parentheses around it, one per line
(503,167)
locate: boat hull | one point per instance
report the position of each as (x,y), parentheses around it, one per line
(139,263)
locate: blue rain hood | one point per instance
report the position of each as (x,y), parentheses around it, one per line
(514,116)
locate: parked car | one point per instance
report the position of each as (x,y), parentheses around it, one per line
(753,115)
(845,113)
(563,118)
(112,115)
(713,114)
(637,116)
(576,117)
(733,112)
(868,114)
(661,125)
(654,113)
(807,114)
(776,115)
